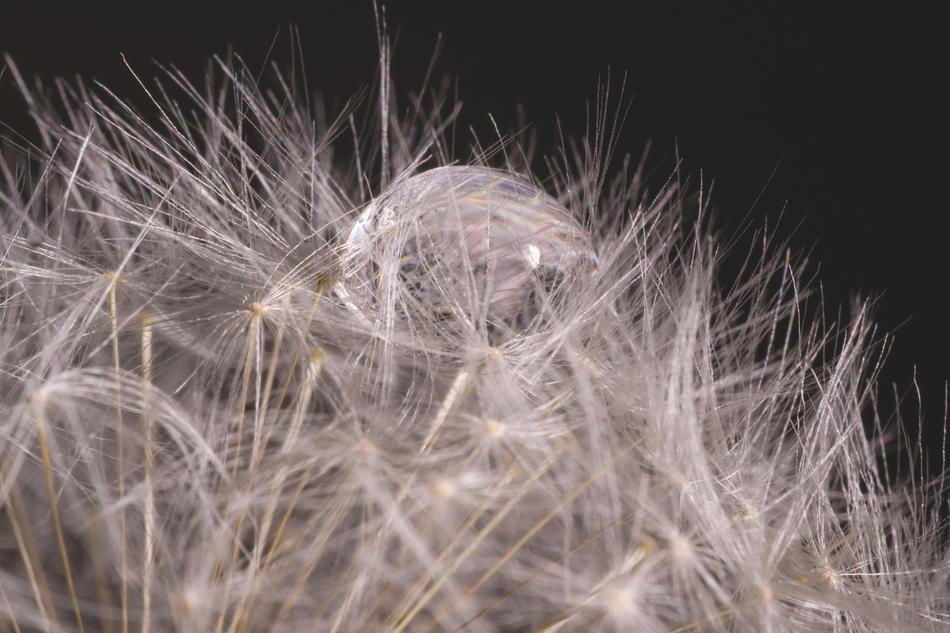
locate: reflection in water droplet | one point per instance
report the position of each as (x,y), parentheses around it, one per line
(465,239)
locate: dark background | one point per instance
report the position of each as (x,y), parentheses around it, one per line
(839,114)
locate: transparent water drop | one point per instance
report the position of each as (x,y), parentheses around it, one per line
(465,241)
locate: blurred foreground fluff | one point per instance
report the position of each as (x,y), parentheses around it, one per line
(265,371)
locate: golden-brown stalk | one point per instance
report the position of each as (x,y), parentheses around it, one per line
(323,527)
(627,516)
(37,406)
(288,380)
(473,545)
(148,555)
(98,569)
(7,613)
(256,311)
(119,453)
(457,390)
(313,374)
(28,555)
(260,413)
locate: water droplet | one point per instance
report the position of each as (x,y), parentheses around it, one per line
(465,242)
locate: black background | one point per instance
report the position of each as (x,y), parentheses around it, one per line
(839,114)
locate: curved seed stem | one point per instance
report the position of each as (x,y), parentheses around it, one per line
(54,508)
(148,556)
(120,454)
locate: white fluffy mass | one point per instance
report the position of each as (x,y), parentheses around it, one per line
(264,368)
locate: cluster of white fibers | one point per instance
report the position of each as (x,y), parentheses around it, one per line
(266,371)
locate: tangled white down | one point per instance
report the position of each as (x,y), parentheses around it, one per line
(268,370)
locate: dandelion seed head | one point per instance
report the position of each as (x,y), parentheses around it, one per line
(463,410)
(648,547)
(256,309)
(316,357)
(189,599)
(621,602)
(366,448)
(444,488)
(493,428)
(830,576)
(679,480)
(681,547)
(39,396)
